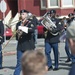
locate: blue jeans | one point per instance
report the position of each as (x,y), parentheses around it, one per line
(72,70)
(48,47)
(67,49)
(73,58)
(18,66)
(0,56)
(36,35)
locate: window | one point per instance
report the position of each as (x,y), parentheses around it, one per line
(43,3)
(52,3)
(67,3)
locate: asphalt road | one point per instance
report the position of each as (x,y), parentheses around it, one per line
(9,62)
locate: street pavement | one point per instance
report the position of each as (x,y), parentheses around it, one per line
(9,58)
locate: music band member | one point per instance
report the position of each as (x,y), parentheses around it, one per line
(51,41)
(67,49)
(71,19)
(71,39)
(1,41)
(25,38)
(36,22)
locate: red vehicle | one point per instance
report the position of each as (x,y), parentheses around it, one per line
(8,33)
(40,29)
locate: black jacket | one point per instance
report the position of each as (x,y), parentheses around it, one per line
(35,21)
(26,41)
(1,32)
(52,38)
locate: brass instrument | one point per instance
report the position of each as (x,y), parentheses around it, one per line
(20,32)
(17,31)
(48,24)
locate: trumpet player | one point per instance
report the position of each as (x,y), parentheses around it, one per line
(25,38)
(51,41)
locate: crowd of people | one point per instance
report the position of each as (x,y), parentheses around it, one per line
(26,35)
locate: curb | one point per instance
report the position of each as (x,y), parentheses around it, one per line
(9,53)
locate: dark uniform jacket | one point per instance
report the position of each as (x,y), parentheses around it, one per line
(26,41)
(52,38)
(35,21)
(1,32)
(70,20)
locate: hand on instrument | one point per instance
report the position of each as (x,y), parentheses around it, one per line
(23,28)
(50,29)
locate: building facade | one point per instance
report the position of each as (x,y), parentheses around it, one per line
(40,7)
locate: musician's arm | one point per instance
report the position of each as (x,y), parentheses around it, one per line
(1,29)
(31,28)
(16,30)
(44,29)
(59,27)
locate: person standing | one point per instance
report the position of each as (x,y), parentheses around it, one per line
(25,38)
(67,49)
(71,39)
(51,40)
(36,22)
(1,41)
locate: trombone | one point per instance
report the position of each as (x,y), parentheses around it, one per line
(28,17)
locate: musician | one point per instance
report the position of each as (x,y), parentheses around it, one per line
(36,22)
(71,38)
(67,50)
(1,41)
(25,38)
(51,41)
(71,18)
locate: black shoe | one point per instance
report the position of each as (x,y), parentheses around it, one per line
(55,69)
(1,67)
(73,62)
(68,60)
(50,68)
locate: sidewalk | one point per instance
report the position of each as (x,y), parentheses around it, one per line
(9,53)
(5,53)
(10,49)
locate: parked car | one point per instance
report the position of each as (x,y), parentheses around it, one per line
(8,33)
(40,29)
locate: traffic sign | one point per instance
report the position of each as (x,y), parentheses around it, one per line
(3,6)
